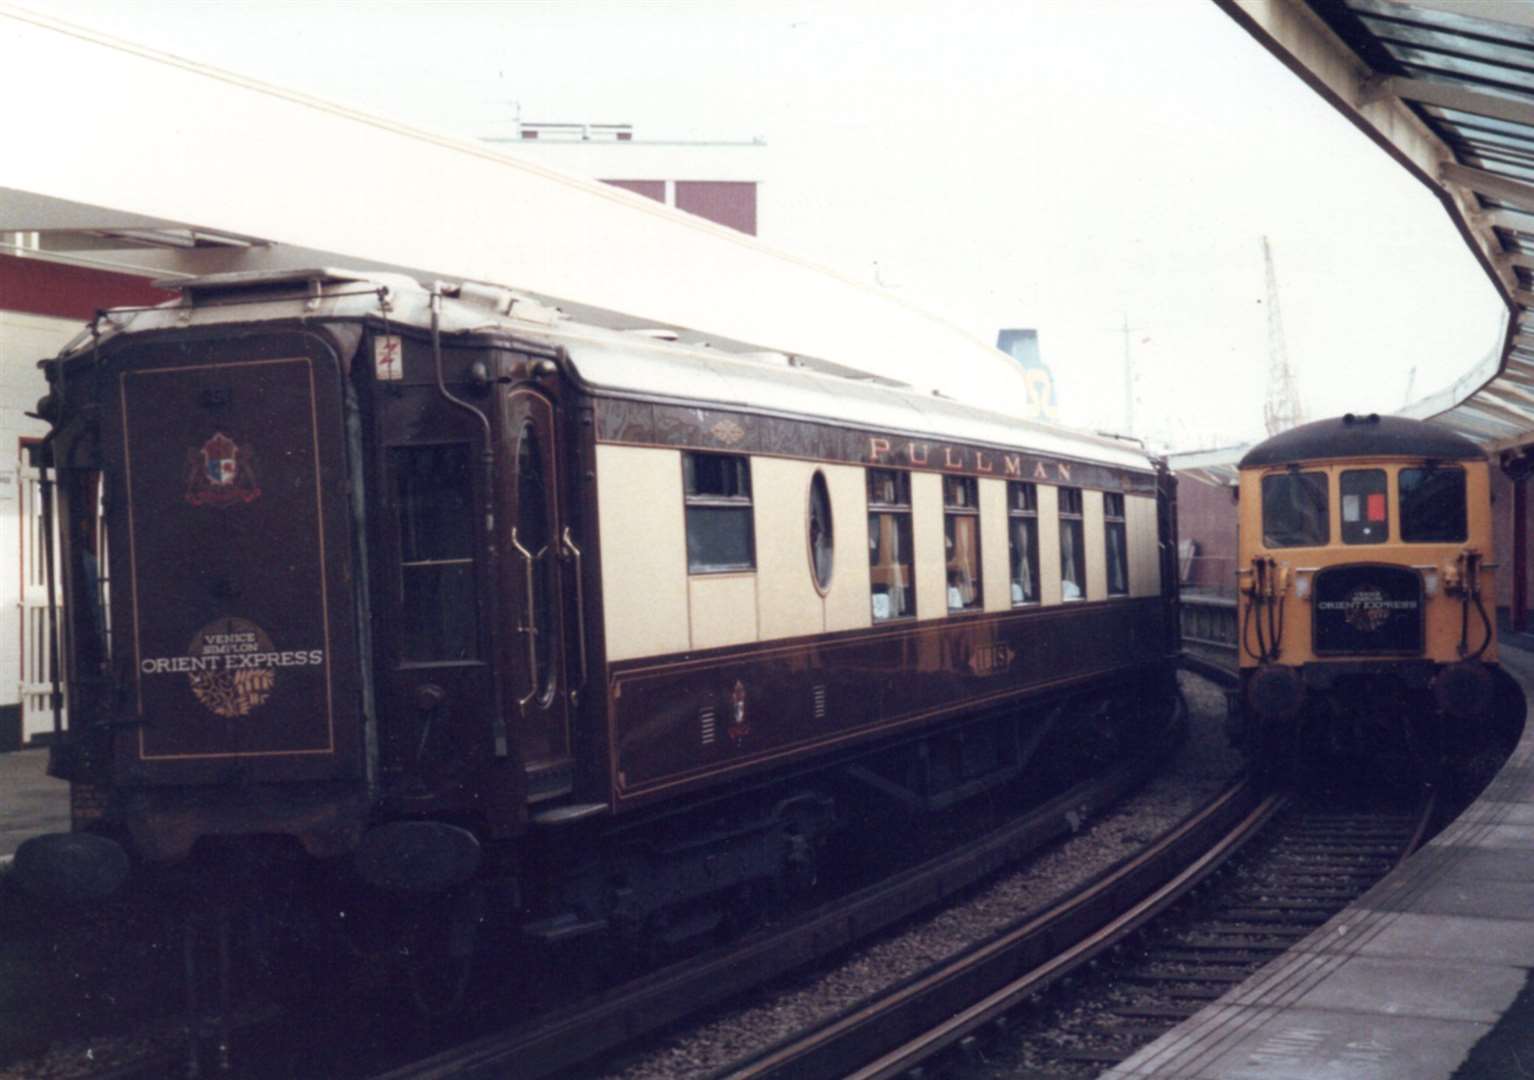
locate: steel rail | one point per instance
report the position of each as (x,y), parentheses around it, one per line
(580,1033)
(923,1017)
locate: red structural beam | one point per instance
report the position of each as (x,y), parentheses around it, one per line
(40,287)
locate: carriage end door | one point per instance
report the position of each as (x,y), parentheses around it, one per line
(537,549)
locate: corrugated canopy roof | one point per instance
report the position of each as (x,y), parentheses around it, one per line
(1447,88)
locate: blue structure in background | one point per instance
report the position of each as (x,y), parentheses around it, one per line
(1023,346)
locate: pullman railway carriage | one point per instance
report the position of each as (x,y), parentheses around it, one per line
(450,594)
(1367,596)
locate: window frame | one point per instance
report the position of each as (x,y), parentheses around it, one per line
(1464,508)
(404,636)
(1348,537)
(953,513)
(900,509)
(1116,523)
(742,502)
(1023,509)
(818,480)
(1286,475)
(1071,510)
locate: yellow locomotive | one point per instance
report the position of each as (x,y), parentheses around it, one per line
(1367,596)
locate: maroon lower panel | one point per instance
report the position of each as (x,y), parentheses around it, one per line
(684,722)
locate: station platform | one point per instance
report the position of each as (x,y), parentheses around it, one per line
(31,801)
(1425,978)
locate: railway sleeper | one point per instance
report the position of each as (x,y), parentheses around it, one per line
(1173,1013)
(1278,900)
(1198,975)
(1217,944)
(1278,916)
(1248,928)
(1094,1055)
(1227,958)
(1286,893)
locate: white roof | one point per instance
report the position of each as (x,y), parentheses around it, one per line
(634,362)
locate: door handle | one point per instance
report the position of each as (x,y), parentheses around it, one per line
(531,629)
(580,605)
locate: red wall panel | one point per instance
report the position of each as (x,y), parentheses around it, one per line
(1206,514)
(726,202)
(650,189)
(37,287)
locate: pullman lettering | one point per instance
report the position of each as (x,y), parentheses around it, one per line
(951,458)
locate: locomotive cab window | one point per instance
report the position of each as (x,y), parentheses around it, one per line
(1432,505)
(1365,519)
(961,541)
(1115,538)
(821,540)
(1073,546)
(1295,510)
(892,579)
(435,501)
(1023,540)
(717,492)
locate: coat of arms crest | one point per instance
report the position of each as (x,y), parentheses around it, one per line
(220,473)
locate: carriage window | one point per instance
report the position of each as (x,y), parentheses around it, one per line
(1295,510)
(961,541)
(891,570)
(1364,517)
(435,501)
(717,491)
(1073,546)
(821,540)
(1432,505)
(1115,536)
(1023,540)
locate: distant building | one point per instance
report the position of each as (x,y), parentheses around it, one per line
(1038,381)
(720,181)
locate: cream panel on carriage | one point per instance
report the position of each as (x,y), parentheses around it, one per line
(847,604)
(787,602)
(1144,546)
(1096,544)
(995,555)
(722,609)
(644,551)
(1049,544)
(931,568)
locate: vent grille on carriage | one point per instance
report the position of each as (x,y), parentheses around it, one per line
(820,701)
(706,725)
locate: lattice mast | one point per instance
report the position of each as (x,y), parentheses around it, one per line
(1282,409)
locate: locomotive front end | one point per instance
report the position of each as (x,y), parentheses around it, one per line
(1367,595)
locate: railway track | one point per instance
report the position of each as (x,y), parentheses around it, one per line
(1313,861)
(948,1005)
(556,1042)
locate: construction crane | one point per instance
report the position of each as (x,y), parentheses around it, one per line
(1282,408)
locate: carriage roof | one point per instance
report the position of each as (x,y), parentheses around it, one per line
(621,360)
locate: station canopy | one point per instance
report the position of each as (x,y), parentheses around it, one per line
(1446,87)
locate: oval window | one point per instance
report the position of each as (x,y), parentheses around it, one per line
(820,531)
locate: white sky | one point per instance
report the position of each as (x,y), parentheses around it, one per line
(1060,165)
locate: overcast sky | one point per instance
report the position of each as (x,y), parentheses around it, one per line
(1058,165)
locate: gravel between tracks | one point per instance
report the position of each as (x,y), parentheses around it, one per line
(1203,766)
